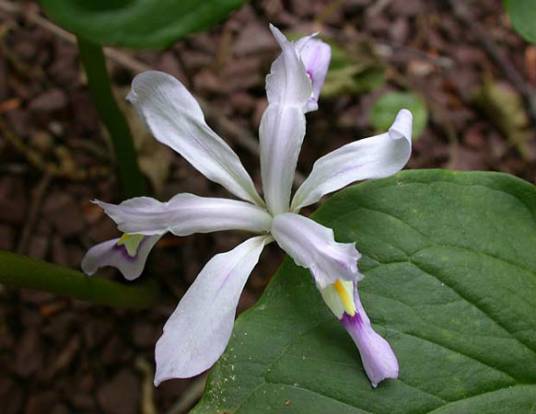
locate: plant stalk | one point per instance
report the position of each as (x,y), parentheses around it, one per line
(93,61)
(19,271)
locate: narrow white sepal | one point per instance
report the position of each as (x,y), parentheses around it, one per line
(283,124)
(185,214)
(281,135)
(176,119)
(375,157)
(199,329)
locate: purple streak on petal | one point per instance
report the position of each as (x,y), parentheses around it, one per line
(122,249)
(379,360)
(109,253)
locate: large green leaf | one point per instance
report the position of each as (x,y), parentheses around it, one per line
(450,265)
(137,23)
(523,16)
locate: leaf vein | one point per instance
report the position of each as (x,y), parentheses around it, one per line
(480,308)
(438,409)
(437,343)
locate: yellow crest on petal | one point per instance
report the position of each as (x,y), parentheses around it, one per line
(339,297)
(131,243)
(345,296)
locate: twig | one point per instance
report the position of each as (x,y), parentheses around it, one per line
(37,199)
(65,166)
(400,53)
(462,12)
(147,388)
(189,397)
(240,135)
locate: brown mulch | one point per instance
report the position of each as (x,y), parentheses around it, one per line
(60,356)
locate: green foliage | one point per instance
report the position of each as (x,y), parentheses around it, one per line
(17,271)
(387,106)
(130,176)
(450,269)
(137,23)
(523,16)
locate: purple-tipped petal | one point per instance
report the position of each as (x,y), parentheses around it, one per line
(128,258)
(379,359)
(315,55)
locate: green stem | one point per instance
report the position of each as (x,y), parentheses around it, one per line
(98,80)
(23,272)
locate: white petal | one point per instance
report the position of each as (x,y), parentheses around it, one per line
(375,157)
(287,83)
(186,214)
(315,55)
(283,124)
(313,246)
(175,119)
(281,135)
(197,332)
(114,253)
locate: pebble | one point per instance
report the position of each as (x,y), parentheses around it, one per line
(49,101)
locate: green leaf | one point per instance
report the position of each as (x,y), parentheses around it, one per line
(450,265)
(137,23)
(523,16)
(18,271)
(387,106)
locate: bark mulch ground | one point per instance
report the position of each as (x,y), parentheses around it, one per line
(62,356)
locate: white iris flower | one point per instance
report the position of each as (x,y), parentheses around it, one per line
(199,329)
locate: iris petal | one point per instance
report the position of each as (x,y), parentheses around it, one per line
(282,125)
(129,258)
(175,119)
(375,157)
(315,55)
(186,214)
(379,359)
(313,246)
(199,329)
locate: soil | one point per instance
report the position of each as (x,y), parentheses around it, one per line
(58,355)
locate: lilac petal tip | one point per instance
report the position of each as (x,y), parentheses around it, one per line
(379,360)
